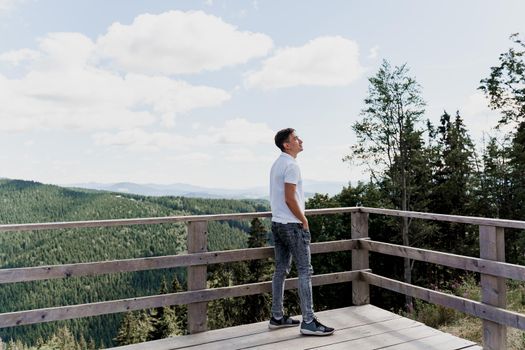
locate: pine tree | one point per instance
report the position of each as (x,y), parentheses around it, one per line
(514,238)
(257,307)
(495,184)
(133,329)
(62,339)
(82,344)
(453,181)
(181,311)
(163,320)
(453,176)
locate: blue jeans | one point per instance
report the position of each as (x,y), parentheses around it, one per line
(291,241)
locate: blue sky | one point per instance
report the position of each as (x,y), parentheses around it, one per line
(193,91)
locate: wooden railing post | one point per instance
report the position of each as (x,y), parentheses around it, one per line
(360,288)
(197,243)
(493,289)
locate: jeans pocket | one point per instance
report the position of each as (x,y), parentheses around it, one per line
(307,237)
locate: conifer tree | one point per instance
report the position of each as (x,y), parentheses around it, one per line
(130,330)
(181,311)
(163,320)
(257,307)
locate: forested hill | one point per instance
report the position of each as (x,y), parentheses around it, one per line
(28,202)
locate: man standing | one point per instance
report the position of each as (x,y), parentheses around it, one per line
(291,236)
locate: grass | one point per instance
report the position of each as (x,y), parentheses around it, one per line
(468,327)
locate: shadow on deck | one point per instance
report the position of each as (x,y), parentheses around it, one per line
(357,327)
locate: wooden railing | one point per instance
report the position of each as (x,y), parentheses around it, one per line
(494,271)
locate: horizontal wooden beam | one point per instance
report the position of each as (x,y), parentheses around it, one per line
(159,220)
(489,267)
(471,307)
(473,220)
(247,216)
(25,274)
(123,305)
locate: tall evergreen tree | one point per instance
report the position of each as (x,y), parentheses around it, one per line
(181,311)
(131,330)
(257,307)
(163,319)
(453,179)
(495,188)
(455,168)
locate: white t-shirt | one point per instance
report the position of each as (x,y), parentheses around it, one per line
(285,170)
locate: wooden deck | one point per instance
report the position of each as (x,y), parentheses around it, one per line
(357,327)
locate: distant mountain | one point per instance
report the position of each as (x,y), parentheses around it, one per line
(185,190)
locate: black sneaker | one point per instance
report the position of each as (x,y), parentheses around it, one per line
(315,328)
(282,323)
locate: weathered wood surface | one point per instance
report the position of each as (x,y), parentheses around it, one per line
(474,308)
(123,305)
(359,229)
(493,289)
(197,276)
(247,216)
(159,220)
(473,220)
(485,266)
(357,327)
(24,274)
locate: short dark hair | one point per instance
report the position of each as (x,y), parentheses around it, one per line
(282,136)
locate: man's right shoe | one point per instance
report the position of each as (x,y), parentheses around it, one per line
(315,328)
(282,323)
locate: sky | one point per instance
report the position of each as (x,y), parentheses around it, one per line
(194,91)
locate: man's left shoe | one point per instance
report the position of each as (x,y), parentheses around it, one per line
(283,323)
(316,328)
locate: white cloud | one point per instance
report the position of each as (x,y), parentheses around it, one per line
(324,61)
(191,157)
(17,57)
(478,117)
(64,89)
(178,42)
(373,52)
(7,5)
(235,131)
(241,131)
(481,120)
(140,140)
(243,155)
(475,104)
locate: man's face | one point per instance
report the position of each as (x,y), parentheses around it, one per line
(294,143)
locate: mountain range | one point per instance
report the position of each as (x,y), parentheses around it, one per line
(185,190)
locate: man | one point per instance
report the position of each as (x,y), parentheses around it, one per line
(291,236)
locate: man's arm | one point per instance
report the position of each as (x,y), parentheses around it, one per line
(291,202)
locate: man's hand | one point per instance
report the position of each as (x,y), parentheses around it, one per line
(305,225)
(291,202)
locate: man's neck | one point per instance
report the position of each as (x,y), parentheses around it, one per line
(294,155)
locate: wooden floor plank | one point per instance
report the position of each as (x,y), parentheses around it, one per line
(343,317)
(358,327)
(340,335)
(440,341)
(383,340)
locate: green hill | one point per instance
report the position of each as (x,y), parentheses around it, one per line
(28,202)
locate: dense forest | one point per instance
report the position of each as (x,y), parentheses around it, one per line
(23,202)
(414,165)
